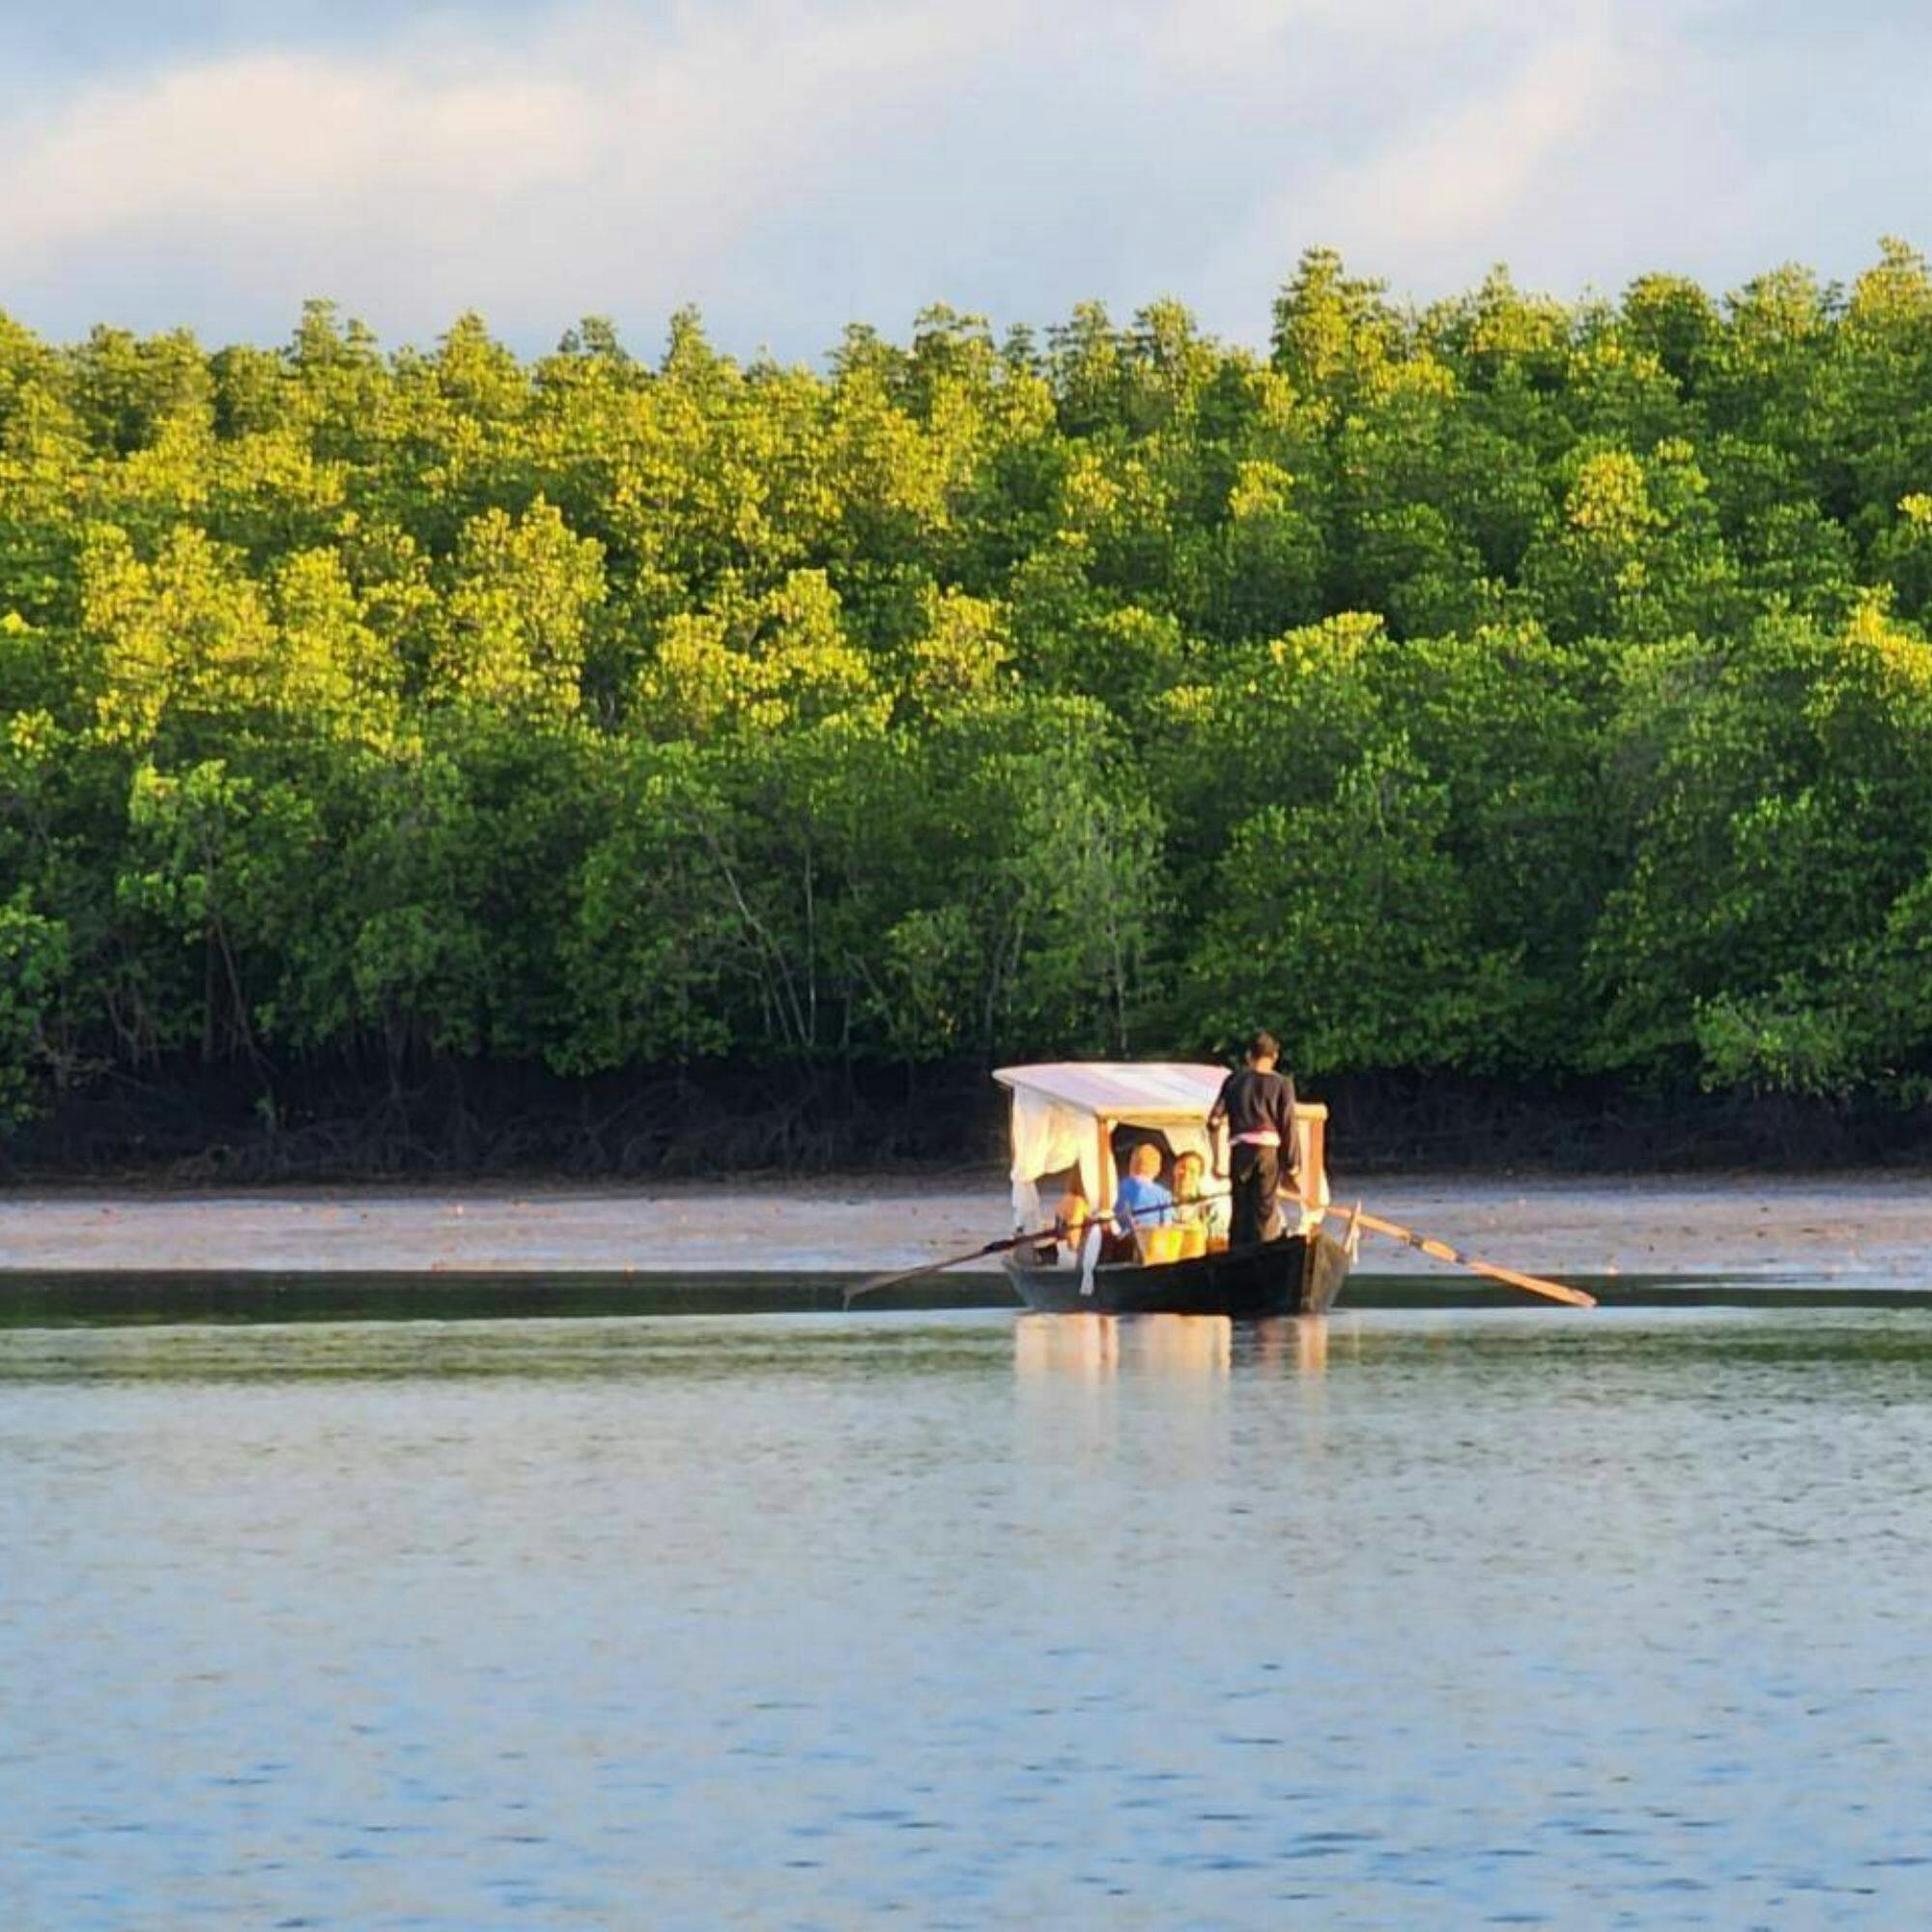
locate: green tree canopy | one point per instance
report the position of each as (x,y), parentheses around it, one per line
(1504,686)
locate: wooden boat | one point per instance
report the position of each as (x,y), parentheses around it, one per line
(1297,1275)
(1073,1115)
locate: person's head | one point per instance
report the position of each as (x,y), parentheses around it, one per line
(1144,1163)
(1263,1050)
(1188,1169)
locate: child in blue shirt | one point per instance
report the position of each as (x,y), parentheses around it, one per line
(1142,1201)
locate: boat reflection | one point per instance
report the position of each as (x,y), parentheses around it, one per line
(1071,1347)
(1171,1347)
(1296,1342)
(1097,1348)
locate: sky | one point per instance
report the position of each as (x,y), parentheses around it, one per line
(793,165)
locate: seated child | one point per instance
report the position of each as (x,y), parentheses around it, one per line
(1143,1202)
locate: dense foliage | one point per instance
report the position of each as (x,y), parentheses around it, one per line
(1504,687)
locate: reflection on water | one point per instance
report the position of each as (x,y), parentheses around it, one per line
(1090,1347)
(1093,1348)
(1391,1619)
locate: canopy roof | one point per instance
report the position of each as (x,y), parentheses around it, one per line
(1144,1092)
(1149,1093)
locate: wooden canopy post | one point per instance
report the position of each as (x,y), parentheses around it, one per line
(1311,1120)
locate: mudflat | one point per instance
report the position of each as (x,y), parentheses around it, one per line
(1853,1229)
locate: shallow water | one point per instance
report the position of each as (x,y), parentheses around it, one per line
(1407,1619)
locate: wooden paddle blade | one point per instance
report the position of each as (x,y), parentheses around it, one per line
(1555,1290)
(879,1281)
(874,1282)
(1531,1284)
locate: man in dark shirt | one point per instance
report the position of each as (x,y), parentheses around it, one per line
(1255,1109)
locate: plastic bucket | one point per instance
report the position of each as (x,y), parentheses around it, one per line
(1163,1244)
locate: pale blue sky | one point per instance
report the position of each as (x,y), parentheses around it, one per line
(792,164)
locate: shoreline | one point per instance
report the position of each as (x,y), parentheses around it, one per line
(1869,1229)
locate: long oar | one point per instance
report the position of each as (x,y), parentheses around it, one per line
(1443,1252)
(879,1281)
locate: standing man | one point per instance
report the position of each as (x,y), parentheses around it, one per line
(1255,1110)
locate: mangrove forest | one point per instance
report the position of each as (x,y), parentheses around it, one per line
(1499,689)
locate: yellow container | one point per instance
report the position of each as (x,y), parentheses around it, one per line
(1193,1240)
(1163,1244)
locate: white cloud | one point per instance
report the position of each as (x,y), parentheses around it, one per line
(282,137)
(1458,175)
(793,163)
(458,168)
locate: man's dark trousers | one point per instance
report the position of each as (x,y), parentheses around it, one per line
(1255,1173)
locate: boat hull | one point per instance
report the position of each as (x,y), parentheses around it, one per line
(1300,1275)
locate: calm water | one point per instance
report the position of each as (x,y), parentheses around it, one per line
(1422,1619)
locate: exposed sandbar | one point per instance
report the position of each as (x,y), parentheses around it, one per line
(1851,1229)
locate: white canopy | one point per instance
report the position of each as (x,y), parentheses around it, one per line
(1064,1110)
(1149,1093)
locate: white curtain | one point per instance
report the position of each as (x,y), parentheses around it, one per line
(1047,1138)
